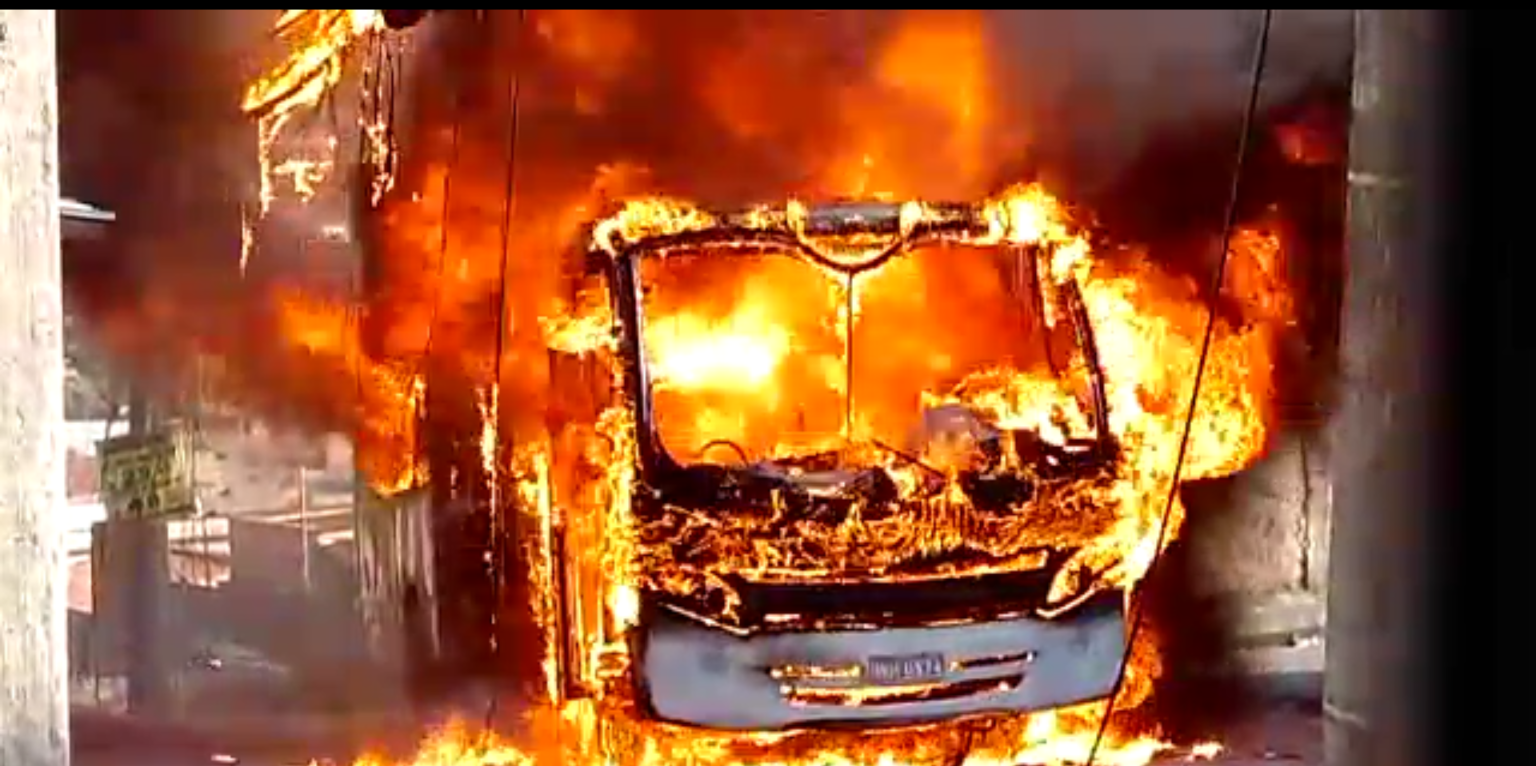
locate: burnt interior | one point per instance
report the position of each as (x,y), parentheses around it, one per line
(904,594)
(816,487)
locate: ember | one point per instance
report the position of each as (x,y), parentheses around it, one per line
(731,404)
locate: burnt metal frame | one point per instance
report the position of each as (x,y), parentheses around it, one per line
(956,224)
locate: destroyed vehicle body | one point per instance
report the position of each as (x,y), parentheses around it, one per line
(901,631)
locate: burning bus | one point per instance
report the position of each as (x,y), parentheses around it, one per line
(813,563)
(766,484)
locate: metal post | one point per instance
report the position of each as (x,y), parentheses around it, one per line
(34,654)
(304,528)
(143,541)
(1378,579)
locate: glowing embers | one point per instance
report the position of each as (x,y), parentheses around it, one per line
(792,673)
(938,691)
(691,552)
(865,683)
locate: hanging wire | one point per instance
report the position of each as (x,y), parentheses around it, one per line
(514,87)
(1244,141)
(508,205)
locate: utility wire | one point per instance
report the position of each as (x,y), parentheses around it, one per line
(514,86)
(1244,141)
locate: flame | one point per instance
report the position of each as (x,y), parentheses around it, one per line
(387,397)
(318,43)
(752,355)
(459,744)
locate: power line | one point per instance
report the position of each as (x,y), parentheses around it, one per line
(514,86)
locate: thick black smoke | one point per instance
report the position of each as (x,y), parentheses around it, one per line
(152,129)
(1100,84)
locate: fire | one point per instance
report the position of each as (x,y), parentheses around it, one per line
(740,353)
(319,42)
(387,397)
(785,360)
(1149,327)
(1049,738)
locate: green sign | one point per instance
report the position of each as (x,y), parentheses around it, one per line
(146,476)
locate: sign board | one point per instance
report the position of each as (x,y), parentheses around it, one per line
(147,475)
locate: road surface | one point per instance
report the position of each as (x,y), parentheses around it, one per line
(1284,737)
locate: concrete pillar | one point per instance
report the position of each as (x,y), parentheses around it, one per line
(1380,461)
(34,651)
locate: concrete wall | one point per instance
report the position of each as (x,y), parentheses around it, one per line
(1266,529)
(1259,552)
